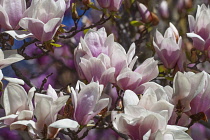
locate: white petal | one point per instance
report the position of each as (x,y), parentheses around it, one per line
(65,123)
(130,98)
(19,35)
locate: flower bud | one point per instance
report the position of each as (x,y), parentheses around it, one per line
(146,15)
(168,47)
(75,15)
(199,28)
(163,9)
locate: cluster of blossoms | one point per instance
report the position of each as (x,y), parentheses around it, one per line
(113,90)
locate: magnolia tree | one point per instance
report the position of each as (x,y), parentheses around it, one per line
(105,69)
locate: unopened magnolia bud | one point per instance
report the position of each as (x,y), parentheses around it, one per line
(163,9)
(146,15)
(74,12)
(144,12)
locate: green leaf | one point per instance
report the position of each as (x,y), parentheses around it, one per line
(136,23)
(56,45)
(86,30)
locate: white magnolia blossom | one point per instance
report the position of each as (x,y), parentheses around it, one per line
(146,118)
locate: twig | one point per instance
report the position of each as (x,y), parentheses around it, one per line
(44,82)
(100,22)
(27,57)
(21,76)
(125,137)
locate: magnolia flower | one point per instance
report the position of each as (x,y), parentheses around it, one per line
(52,103)
(147,118)
(148,101)
(201,102)
(93,44)
(42,19)
(95,69)
(17,104)
(199,28)
(169,47)
(112,5)
(99,58)
(136,127)
(136,122)
(46,110)
(8,57)
(86,101)
(164,93)
(128,79)
(173,132)
(11,11)
(186,87)
(161,92)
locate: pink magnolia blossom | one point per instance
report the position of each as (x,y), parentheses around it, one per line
(128,79)
(93,44)
(161,92)
(169,46)
(201,102)
(199,28)
(136,122)
(149,101)
(86,101)
(46,110)
(42,19)
(99,58)
(95,69)
(11,11)
(17,103)
(186,87)
(147,118)
(140,118)
(165,93)
(173,132)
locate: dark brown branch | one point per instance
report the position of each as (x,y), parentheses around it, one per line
(27,57)
(44,82)
(100,22)
(76,22)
